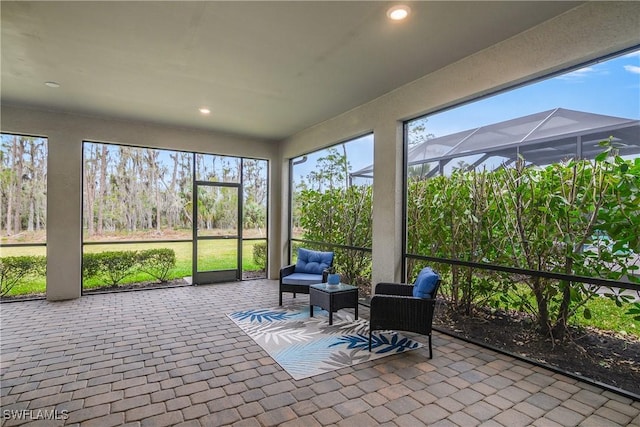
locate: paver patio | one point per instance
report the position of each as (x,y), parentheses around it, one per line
(172,357)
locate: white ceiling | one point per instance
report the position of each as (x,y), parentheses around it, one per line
(265,69)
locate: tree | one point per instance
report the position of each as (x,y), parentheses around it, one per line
(255,180)
(89,182)
(541,219)
(332,211)
(418,132)
(141,189)
(22,184)
(104,164)
(332,171)
(254,184)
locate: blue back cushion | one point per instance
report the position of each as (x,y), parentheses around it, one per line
(425,283)
(313,262)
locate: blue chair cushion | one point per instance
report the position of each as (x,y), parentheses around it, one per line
(425,283)
(302,279)
(313,262)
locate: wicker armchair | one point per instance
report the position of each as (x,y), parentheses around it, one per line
(393,307)
(311,268)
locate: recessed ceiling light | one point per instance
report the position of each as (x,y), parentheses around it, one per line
(52,84)
(204,110)
(398,12)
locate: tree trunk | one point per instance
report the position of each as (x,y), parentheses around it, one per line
(467,292)
(560,328)
(543,306)
(171,219)
(104,160)
(89,188)
(41,199)
(154,183)
(1,211)
(11,187)
(19,168)
(31,213)
(32,183)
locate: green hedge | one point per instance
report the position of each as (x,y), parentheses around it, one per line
(578,217)
(115,266)
(17,268)
(157,262)
(260,255)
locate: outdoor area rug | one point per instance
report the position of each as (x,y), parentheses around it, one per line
(306,346)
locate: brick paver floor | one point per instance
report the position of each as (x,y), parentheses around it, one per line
(172,357)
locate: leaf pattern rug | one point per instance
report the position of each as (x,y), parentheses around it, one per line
(306,346)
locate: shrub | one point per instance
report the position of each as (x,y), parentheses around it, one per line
(14,269)
(90,265)
(116,265)
(577,217)
(260,255)
(341,216)
(157,262)
(295,246)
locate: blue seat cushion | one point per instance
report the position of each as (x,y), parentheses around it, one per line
(302,279)
(313,262)
(425,283)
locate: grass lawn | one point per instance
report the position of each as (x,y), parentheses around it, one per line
(213,255)
(605,315)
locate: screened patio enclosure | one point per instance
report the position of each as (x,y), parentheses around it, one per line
(541,139)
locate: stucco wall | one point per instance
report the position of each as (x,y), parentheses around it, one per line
(587,32)
(66,132)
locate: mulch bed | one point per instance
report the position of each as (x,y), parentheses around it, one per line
(604,357)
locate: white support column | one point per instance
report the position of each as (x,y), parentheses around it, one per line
(64,217)
(387,203)
(278,221)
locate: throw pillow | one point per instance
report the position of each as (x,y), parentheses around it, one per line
(313,262)
(425,283)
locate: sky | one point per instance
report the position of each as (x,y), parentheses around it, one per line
(610,87)
(359,155)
